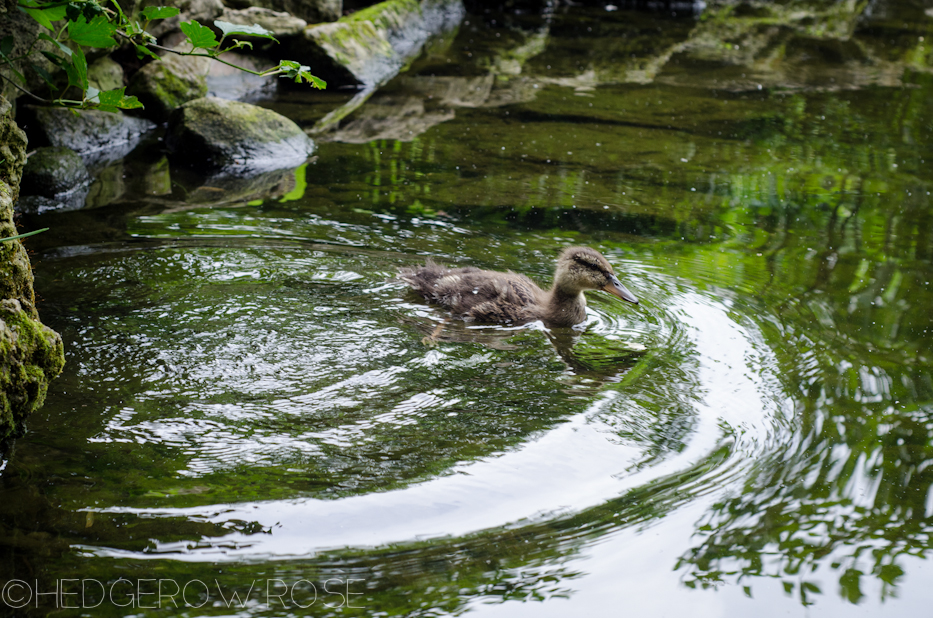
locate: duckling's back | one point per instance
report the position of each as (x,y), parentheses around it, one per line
(475,294)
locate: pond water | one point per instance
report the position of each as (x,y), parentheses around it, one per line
(248,408)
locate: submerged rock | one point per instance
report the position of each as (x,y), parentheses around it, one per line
(370,46)
(163,85)
(97,136)
(237,138)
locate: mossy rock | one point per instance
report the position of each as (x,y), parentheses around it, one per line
(51,171)
(31,355)
(164,85)
(236,138)
(371,46)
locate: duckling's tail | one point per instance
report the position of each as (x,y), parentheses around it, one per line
(423,278)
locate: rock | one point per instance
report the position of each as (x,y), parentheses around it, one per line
(97,136)
(12,151)
(370,46)
(105,74)
(53,170)
(164,85)
(227,82)
(54,178)
(31,355)
(284,25)
(238,138)
(312,11)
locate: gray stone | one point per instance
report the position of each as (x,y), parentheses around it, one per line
(52,171)
(237,138)
(227,82)
(312,11)
(164,85)
(97,136)
(284,25)
(105,74)
(371,46)
(54,178)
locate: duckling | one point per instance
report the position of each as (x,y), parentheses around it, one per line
(489,296)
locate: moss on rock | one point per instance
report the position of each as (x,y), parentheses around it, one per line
(31,355)
(162,86)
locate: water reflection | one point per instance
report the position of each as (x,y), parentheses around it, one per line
(246,382)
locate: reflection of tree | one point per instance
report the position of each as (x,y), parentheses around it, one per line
(847,250)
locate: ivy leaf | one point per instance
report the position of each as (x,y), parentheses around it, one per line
(255,30)
(64,48)
(198,35)
(97,33)
(160,12)
(317,82)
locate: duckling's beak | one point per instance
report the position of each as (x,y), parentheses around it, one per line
(616,288)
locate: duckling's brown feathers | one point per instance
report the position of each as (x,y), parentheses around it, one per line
(475,294)
(489,296)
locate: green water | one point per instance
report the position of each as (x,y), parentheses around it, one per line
(248,406)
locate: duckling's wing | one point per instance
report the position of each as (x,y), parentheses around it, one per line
(501,297)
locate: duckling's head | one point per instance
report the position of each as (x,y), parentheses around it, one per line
(582,268)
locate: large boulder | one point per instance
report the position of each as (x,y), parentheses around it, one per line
(371,46)
(164,85)
(236,138)
(97,136)
(31,354)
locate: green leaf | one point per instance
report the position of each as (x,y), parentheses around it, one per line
(55,59)
(65,49)
(97,33)
(198,35)
(6,45)
(255,30)
(79,62)
(45,17)
(142,51)
(318,83)
(111,100)
(160,12)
